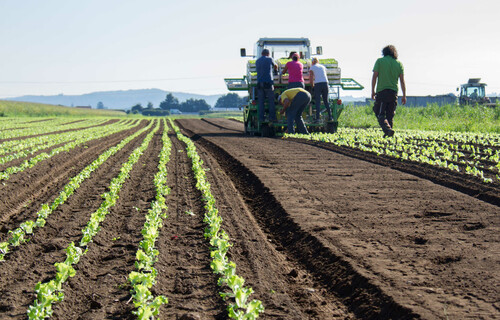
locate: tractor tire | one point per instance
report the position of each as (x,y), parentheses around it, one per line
(331,126)
(245,124)
(267,131)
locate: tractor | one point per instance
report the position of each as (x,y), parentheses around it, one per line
(473,92)
(280,49)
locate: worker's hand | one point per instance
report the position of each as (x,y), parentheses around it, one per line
(403,100)
(373,95)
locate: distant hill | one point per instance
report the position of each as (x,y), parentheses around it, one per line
(116,99)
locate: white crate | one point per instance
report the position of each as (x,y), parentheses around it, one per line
(331,65)
(333,71)
(236,83)
(254,77)
(333,77)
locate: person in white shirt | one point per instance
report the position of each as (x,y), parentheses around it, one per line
(319,83)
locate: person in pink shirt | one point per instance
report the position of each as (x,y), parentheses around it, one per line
(294,69)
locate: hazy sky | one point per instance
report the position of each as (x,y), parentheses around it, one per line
(73,47)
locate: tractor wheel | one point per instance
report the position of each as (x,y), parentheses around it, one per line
(331,127)
(267,131)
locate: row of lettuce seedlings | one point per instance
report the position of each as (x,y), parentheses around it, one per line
(147,306)
(142,280)
(241,308)
(18,236)
(18,127)
(50,292)
(17,149)
(97,133)
(22,142)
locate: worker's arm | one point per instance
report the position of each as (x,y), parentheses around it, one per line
(311,78)
(403,87)
(374,82)
(286,104)
(284,70)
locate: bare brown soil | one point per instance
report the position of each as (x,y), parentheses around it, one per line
(319,232)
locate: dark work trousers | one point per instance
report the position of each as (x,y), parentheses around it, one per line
(321,92)
(292,85)
(385,107)
(265,90)
(294,112)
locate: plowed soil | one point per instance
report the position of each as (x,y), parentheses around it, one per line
(318,232)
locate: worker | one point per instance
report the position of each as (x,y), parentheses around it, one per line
(294,69)
(319,83)
(474,94)
(386,72)
(294,102)
(265,85)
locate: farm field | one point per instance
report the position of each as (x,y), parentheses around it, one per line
(120,215)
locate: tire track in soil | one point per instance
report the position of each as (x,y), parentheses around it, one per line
(42,183)
(34,261)
(184,273)
(327,271)
(100,288)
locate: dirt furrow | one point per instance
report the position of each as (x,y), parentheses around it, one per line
(184,274)
(286,288)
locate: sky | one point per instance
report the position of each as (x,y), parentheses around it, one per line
(70,47)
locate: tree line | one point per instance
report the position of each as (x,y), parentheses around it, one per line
(231,100)
(171,103)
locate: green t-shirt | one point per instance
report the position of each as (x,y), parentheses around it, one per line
(389,70)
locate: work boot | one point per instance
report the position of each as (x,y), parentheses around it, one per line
(389,133)
(386,127)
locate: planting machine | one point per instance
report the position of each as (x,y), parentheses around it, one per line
(280,49)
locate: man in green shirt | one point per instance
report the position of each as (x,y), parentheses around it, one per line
(386,72)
